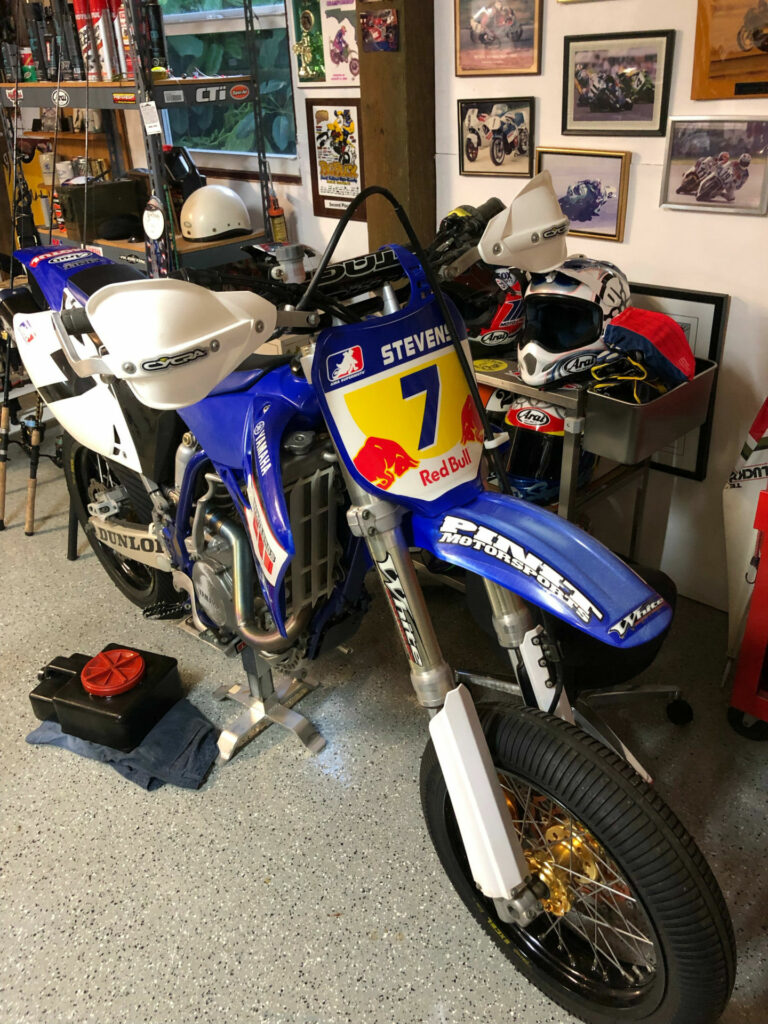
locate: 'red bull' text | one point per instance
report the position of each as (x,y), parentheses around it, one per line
(446,468)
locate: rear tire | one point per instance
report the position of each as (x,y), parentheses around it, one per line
(654,885)
(143,585)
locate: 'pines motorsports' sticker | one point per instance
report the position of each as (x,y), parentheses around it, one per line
(465,533)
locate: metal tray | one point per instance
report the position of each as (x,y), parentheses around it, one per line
(629,433)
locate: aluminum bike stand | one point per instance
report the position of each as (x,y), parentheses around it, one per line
(264,706)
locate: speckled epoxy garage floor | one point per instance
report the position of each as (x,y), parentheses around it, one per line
(293,888)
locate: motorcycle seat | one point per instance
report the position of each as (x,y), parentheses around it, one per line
(90,279)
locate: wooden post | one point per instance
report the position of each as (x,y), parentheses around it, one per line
(397,96)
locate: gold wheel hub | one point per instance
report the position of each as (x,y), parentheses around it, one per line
(564,856)
(569,855)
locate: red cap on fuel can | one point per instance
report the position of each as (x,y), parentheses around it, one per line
(112,672)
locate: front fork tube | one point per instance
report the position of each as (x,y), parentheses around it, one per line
(431,675)
(493,849)
(522,638)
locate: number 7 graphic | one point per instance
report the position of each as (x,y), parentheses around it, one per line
(427,379)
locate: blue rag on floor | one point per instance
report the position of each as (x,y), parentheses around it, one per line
(180,749)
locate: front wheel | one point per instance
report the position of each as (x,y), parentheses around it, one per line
(497,151)
(633,927)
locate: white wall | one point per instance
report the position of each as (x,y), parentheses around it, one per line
(704,251)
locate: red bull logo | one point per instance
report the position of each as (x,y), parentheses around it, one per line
(471,427)
(381,462)
(346,364)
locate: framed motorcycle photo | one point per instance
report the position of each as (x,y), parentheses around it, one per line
(617,84)
(591,187)
(716,164)
(730,58)
(333,131)
(494,37)
(496,137)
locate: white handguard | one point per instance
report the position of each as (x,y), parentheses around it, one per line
(528,235)
(174,341)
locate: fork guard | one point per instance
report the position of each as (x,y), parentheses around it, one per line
(549,562)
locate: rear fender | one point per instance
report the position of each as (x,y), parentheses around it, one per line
(548,562)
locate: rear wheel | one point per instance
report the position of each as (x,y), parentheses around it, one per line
(634,927)
(89,477)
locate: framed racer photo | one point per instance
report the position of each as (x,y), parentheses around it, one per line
(592,187)
(498,37)
(496,137)
(617,84)
(717,164)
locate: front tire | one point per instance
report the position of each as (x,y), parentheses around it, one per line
(497,151)
(85,472)
(638,930)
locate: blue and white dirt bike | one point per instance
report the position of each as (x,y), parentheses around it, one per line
(255,493)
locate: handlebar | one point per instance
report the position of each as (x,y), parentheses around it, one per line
(76,321)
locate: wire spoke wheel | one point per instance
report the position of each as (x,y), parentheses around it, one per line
(633,926)
(593,928)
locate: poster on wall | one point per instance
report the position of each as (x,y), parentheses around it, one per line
(308,50)
(731,53)
(497,39)
(333,128)
(325,50)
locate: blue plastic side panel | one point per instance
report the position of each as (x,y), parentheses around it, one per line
(242,433)
(549,562)
(53,265)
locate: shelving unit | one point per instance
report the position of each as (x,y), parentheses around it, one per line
(621,432)
(191,254)
(148,93)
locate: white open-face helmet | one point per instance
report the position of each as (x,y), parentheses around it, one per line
(213,212)
(566,313)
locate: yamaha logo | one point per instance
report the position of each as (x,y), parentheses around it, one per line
(164,362)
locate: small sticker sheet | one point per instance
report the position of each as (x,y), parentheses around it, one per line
(380,31)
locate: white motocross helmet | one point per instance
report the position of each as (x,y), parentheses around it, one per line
(566,313)
(213,212)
